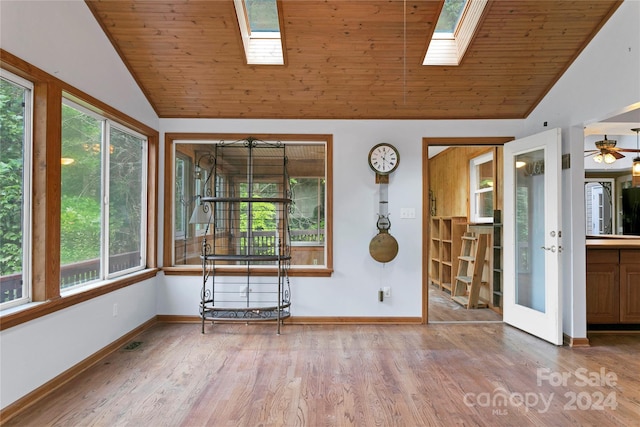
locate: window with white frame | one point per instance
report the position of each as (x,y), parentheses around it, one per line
(15,186)
(481,182)
(103,198)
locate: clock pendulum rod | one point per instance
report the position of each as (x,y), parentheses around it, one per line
(383,200)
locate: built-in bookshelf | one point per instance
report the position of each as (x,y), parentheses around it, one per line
(444,248)
(496,288)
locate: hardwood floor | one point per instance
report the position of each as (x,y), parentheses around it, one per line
(350,375)
(443,309)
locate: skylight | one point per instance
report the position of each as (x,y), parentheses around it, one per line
(454,30)
(450,17)
(260,29)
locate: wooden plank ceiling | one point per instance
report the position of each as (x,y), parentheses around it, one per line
(348,59)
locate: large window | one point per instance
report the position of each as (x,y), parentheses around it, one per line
(78,195)
(103,208)
(308,166)
(15,155)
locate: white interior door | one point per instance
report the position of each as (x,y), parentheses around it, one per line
(532,236)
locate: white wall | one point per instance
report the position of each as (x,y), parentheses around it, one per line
(352,289)
(36,352)
(602,82)
(64,39)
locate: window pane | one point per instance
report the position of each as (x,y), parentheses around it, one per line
(13,99)
(481,183)
(485,175)
(80,215)
(307,214)
(262,15)
(530,232)
(305,162)
(180,197)
(126,205)
(485,204)
(450,16)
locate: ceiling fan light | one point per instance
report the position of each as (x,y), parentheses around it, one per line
(598,158)
(635,169)
(609,158)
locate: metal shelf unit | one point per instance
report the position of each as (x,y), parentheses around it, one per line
(246,241)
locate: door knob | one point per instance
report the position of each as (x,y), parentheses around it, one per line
(552,248)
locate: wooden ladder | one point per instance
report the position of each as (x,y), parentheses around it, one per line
(466,288)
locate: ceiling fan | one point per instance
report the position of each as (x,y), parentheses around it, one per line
(606,151)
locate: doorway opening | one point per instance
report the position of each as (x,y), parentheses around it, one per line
(463,254)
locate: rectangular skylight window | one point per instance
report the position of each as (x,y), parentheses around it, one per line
(260,30)
(456,26)
(262,16)
(450,17)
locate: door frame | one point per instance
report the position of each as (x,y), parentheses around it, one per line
(426,211)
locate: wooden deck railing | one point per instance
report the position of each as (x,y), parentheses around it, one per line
(264,241)
(70,274)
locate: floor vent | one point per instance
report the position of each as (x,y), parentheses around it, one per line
(132,345)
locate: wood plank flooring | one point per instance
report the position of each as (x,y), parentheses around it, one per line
(350,375)
(443,309)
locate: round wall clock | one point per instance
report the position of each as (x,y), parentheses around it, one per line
(384,158)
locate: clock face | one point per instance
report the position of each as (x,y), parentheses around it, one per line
(384,158)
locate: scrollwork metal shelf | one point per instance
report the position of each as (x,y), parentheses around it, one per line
(247,204)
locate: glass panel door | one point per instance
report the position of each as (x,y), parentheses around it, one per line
(531,228)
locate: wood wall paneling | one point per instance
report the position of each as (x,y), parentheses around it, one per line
(449,179)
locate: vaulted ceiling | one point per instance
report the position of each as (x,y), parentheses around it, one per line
(348,59)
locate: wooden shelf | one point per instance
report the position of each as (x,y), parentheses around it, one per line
(445,233)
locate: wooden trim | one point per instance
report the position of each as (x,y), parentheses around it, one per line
(328,211)
(426,220)
(357,320)
(153,170)
(171,318)
(575,342)
(489,140)
(169,162)
(22,316)
(194,270)
(49,387)
(169,142)
(45,198)
(311,320)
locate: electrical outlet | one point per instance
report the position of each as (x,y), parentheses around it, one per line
(387,291)
(115,310)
